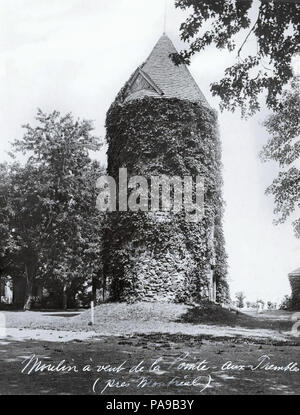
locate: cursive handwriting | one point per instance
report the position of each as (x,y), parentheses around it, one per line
(202,382)
(182,371)
(34,364)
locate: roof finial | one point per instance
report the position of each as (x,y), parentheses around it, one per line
(165,17)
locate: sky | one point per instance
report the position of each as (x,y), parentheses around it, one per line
(75,55)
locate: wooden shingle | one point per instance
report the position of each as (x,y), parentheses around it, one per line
(174,81)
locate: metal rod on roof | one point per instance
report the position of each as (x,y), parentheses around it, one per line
(165,16)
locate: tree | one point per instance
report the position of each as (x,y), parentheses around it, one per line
(53,221)
(4,228)
(75,241)
(283,147)
(271,306)
(23,220)
(260,303)
(240,297)
(286,303)
(6,242)
(268,69)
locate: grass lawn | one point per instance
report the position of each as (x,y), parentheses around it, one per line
(147,318)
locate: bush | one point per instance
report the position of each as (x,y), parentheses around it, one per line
(286,303)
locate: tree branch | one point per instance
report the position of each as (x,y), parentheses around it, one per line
(248,35)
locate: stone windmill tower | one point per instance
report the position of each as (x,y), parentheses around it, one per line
(161,124)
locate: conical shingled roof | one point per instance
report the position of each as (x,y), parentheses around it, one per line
(160,77)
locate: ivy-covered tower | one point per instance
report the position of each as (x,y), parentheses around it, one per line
(161,124)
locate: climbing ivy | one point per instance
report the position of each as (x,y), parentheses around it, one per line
(146,258)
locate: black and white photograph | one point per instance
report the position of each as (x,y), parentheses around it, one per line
(149,200)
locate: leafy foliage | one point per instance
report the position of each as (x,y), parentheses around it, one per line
(277,34)
(240,299)
(283,147)
(51,228)
(286,303)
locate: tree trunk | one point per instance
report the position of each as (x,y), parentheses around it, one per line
(28,296)
(65,298)
(0,291)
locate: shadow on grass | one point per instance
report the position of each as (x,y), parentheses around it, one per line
(68,315)
(213,314)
